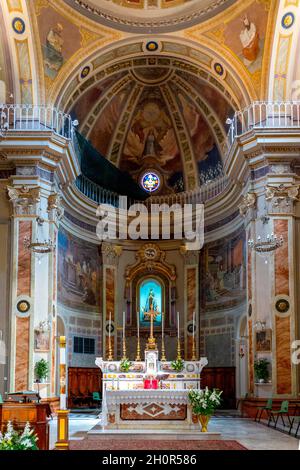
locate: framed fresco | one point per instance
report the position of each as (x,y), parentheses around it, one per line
(264,341)
(41,340)
(150,300)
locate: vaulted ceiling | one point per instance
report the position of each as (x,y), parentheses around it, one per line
(155,114)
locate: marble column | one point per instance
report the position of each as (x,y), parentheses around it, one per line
(270,207)
(35,216)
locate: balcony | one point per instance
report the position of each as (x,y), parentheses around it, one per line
(33,118)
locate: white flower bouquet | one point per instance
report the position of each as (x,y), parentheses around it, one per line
(14,440)
(204,402)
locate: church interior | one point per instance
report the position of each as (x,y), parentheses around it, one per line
(109,105)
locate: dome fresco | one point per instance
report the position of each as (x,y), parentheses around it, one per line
(151,124)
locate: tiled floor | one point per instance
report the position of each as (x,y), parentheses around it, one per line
(252,435)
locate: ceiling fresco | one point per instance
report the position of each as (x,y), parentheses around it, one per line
(152,123)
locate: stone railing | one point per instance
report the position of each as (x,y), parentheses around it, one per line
(264,115)
(18,117)
(200,195)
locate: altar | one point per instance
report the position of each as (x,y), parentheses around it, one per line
(151,395)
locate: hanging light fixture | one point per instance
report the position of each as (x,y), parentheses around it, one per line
(268,245)
(39,247)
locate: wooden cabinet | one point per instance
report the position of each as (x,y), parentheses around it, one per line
(82,382)
(222,378)
(35,413)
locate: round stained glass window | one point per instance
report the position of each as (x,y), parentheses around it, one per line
(150,182)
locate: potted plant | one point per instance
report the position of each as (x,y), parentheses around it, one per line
(261,369)
(13,440)
(41,370)
(125,365)
(177,365)
(204,404)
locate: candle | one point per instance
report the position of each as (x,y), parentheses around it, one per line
(162,324)
(194,324)
(109,328)
(138,324)
(123,325)
(178,325)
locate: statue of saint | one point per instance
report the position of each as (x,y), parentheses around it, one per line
(151,307)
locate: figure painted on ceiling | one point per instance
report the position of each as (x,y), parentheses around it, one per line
(53,56)
(250,40)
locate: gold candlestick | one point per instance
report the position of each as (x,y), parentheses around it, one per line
(194,358)
(138,350)
(178,350)
(110,356)
(163,351)
(124,350)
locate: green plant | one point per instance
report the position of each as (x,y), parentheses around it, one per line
(14,440)
(204,402)
(177,365)
(125,365)
(41,369)
(261,369)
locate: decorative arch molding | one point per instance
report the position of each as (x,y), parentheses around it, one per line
(20,42)
(149,259)
(151,262)
(237,87)
(284,74)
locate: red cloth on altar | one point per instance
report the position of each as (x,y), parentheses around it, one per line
(151,384)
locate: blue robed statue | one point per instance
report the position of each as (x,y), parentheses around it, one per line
(151,306)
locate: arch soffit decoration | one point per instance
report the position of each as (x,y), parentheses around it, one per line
(67,88)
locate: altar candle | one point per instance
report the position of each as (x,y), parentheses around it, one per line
(178,325)
(162,324)
(138,324)
(194,326)
(123,325)
(109,328)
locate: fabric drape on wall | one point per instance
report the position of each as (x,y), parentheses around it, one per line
(103,173)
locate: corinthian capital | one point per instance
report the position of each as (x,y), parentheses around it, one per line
(24,199)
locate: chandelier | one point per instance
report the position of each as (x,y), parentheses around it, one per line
(39,247)
(268,245)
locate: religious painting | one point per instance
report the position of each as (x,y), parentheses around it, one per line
(41,340)
(60,39)
(264,341)
(53,57)
(78,272)
(245,35)
(223,274)
(151,133)
(150,301)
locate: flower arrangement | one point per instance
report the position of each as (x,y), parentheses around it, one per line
(204,402)
(125,365)
(13,440)
(177,365)
(41,369)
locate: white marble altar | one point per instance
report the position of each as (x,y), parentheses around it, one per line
(127,405)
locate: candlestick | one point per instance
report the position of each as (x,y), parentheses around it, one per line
(178,339)
(138,347)
(110,356)
(194,342)
(124,341)
(163,352)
